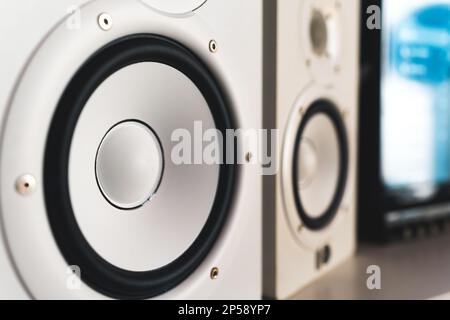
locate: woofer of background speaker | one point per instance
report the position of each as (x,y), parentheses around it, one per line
(320,165)
(88,183)
(315,93)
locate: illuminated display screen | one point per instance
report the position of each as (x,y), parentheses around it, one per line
(415,135)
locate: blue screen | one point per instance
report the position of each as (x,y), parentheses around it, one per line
(416,96)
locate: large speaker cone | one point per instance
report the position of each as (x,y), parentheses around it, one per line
(141,238)
(320,165)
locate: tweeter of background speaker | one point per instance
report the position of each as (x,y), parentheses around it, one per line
(321,38)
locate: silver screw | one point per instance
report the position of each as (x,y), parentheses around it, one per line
(105,21)
(213,47)
(26,184)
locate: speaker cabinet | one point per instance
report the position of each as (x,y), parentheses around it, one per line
(311,86)
(93,204)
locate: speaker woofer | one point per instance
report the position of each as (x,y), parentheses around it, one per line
(98,273)
(320,165)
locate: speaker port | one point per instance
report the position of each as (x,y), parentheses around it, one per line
(326,254)
(323,257)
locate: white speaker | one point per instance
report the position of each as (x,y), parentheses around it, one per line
(92,204)
(311,78)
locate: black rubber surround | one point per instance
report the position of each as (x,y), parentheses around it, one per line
(328,109)
(97,272)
